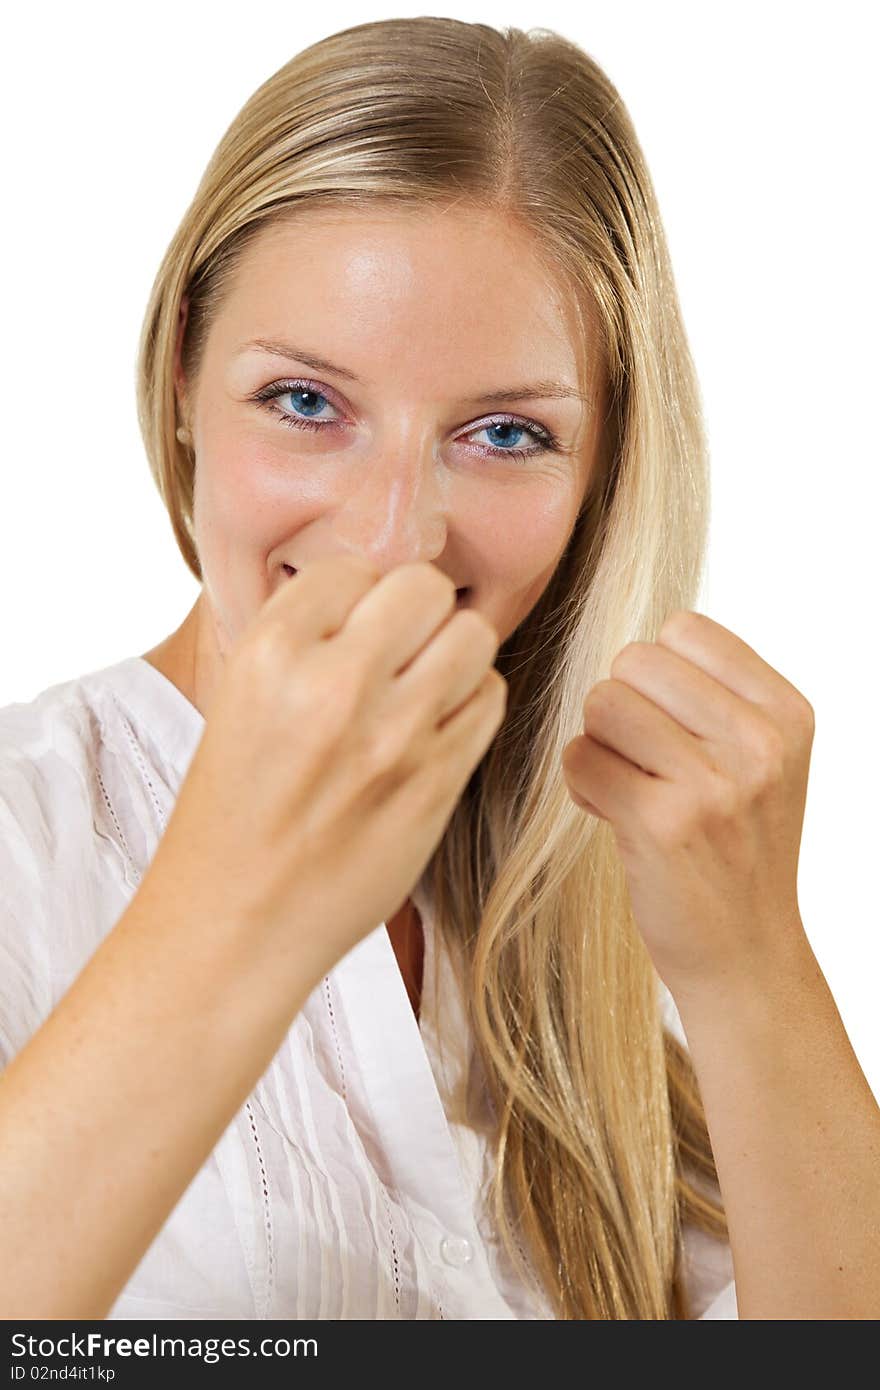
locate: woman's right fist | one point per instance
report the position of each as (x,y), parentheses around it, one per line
(350,715)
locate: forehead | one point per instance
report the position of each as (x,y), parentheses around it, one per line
(452,279)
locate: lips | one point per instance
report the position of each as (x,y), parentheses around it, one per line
(461,595)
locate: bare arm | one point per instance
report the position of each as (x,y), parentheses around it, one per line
(282,850)
(796,1135)
(110,1110)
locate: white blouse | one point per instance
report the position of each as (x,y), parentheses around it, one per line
(347,1186)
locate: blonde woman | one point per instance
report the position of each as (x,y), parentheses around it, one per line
(413,933)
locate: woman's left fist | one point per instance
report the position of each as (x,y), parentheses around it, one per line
(697,753)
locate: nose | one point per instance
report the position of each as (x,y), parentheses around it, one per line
(394,506)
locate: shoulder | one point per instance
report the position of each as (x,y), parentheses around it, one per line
(60,720)
(47,819)
(47,746)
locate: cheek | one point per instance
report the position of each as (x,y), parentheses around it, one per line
(529,529)
(244,502)
(521,547)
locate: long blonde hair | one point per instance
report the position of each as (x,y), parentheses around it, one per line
(602,1151)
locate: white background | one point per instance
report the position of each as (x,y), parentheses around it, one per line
(760,131)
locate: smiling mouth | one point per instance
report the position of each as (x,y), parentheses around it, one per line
(461,595)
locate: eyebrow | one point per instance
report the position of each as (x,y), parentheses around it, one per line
(536,390)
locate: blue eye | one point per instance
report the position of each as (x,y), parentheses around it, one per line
(308,401)
(513,425)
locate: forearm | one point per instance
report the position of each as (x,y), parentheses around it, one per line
(796,1136)
(116,1102)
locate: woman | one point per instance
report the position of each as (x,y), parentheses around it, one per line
(342,926)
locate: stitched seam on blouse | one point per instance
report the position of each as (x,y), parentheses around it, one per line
(327,996)
(138,757)
(267,1216)
(267,1211)
(396,1262)
(122,840)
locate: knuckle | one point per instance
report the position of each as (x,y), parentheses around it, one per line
(432,791)
(359,563)
(724,800)
(268,641)
(471,625)
(492,691)
(804,715)
(669,830)
(329,705)
(654,823)
(680,621)
(328,692)
(598,697)
(323,570)
(430,578)
(491,631)
(768,759)
(631,657)
(383,752)
(261,667)
(497,679)
(499,683)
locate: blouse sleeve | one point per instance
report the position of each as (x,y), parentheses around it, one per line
(25,984)
(724,1305)
(708,1275)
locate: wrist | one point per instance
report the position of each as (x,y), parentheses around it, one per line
(752,985)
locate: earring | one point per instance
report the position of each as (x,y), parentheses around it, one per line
(184,435)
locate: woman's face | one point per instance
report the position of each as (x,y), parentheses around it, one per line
(403,386)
